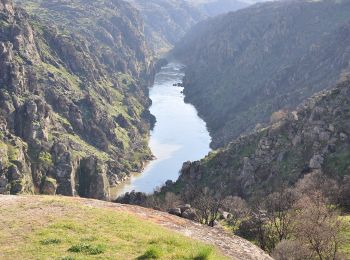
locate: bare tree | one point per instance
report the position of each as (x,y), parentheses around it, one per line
(237,207)
(278,206)
(316,182)
(206,203)
(207,207)
(317,227)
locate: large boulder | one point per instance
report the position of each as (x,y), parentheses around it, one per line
(175,211)
(189,214)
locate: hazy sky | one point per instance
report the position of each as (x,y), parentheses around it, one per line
(247,1)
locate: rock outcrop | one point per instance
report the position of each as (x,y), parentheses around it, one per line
(74,116)
(314,138)
(243,66)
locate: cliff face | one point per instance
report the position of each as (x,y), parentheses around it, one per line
(313,138)
(243,66)
(74,116)
(166,22)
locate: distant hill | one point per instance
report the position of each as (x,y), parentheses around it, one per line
(245,65)
(217,7)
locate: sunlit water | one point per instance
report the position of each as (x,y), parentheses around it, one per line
(178,136)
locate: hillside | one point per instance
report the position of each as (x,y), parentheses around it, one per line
(166,22)
(74,78)
(313,138)
(261,59)
(73,228)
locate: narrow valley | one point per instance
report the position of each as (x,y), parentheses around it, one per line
(175,129)
(179,134)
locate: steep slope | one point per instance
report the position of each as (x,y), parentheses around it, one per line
(55,226)
(315,137)
(243,66)
(73,96)
(166,22)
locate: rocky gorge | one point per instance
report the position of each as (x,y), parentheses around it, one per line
(262,59)
(74,116)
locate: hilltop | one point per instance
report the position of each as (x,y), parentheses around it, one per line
(75,228)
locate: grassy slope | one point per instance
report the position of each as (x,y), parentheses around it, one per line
(57,226)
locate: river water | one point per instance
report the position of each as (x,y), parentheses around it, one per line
(179,135)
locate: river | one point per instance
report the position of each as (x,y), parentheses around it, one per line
(179,135)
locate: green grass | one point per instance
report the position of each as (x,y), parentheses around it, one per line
(62,228)
(345,247)
(151,253)
(13,152)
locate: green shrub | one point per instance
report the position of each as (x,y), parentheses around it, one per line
(151,253)
(204,254)
(45,159)
(12,152)
(87,249)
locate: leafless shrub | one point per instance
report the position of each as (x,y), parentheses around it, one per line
(278,206)
(316,182)
(291,250)
(317,227)
(237,207)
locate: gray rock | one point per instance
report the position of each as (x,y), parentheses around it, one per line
(316,162)
(175,211)
(226,215)
(3,184)
(189,214)
(343,136)
(185,207)
(13,173)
